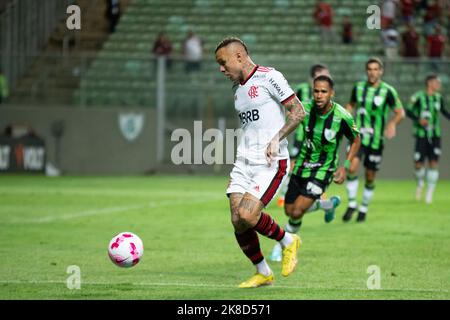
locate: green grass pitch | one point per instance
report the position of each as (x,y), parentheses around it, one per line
(49,224)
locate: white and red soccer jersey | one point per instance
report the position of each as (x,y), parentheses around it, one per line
(258,102)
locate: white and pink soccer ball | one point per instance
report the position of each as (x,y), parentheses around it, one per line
(125,249)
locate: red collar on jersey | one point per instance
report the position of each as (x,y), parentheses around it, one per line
(250,75)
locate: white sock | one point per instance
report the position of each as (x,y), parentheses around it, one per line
(367,197)
(321,204)
(263,268)
(286,240)
(420,176)
(293,225)
(432,178)
(363,208)
(352,191)
(325,204)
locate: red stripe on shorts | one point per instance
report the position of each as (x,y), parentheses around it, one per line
(276,181)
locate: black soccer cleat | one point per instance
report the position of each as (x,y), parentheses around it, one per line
(361,217)
(348,214)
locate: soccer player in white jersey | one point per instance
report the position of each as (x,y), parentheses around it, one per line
(261,96)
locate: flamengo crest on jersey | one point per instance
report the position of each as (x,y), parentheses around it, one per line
(258,102)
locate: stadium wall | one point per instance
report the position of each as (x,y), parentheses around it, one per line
(92,141)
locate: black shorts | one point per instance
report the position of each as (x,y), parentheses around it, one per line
(427,149)
(295,150)
(307,187)
(372,158)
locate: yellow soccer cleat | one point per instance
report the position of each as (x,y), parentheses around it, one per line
(289,261)
(257,280)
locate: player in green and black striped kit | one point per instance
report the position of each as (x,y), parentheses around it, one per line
(304,93)
(424,109)
(373,100)
(325,124)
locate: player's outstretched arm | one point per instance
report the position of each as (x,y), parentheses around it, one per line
(296,114)
(341,172)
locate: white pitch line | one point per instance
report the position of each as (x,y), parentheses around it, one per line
(69,216)
(109,210)
(84,192)
(212,285)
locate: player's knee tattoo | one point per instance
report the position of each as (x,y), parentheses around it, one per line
(235,200)
(247,205)
(234,209)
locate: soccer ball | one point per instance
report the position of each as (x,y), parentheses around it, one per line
(125,249)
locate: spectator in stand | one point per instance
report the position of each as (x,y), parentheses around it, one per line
(163,48)
(407,7)
(410,42)
(347,32)
(112,13)
(435,47)
(432,17)
(193,52)
(387,13)
(323,15)
(391,40)
(421,5)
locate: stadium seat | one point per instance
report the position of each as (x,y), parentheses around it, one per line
(274,27)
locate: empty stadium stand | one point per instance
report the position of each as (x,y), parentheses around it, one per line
(279,33)
(119,68)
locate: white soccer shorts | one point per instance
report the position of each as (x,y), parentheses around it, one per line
(259,180)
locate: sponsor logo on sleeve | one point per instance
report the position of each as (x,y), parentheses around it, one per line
(277,87)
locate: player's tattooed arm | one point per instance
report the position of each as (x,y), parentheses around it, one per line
(296,114)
